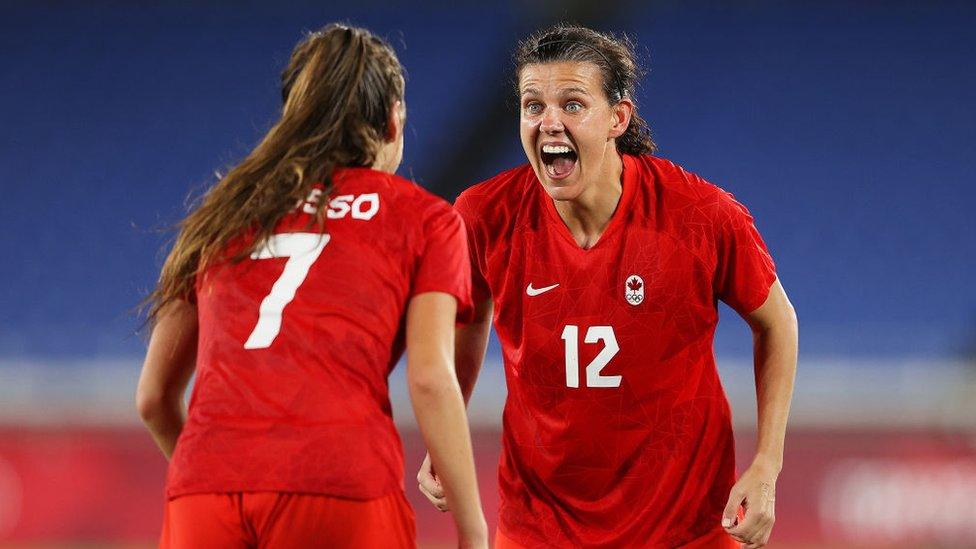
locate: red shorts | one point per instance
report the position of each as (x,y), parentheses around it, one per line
(716,539)
(276,519)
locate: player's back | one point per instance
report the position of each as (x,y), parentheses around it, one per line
(296,343)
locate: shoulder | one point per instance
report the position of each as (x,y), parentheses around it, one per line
(680,184)
(407,212)
(399,193)
(430,212)
(686,194)
(500,194)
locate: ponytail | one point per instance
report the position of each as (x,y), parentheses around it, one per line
(337,92)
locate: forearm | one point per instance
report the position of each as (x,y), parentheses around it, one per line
(443,424)
(165,423)
(775,349)
(166,373)
(439,407)
(471,342)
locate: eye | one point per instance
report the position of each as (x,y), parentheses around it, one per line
(573,106)
(533,107)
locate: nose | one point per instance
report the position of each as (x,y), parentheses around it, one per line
(551,121)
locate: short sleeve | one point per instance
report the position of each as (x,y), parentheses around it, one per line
(744,271)
(443,265)
(479,284)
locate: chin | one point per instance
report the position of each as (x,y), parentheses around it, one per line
(562,190)
(565,189)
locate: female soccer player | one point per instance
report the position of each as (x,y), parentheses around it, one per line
(603,265)
(293,289)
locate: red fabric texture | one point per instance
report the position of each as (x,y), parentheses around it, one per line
(310,412)
(649,460)
(272,520)
(716,539)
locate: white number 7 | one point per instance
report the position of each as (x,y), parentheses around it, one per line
(301,249)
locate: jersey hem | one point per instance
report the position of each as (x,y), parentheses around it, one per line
(171,495)
(696,543)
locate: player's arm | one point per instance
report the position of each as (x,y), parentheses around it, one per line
(471,342)
(774,329)
(439,408)
(166,372)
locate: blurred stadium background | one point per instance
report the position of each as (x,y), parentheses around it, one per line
(846,127)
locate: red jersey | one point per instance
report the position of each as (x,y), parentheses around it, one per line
(617,431)
(296,343)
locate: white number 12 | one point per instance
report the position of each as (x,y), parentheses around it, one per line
(593,334)
(301,249)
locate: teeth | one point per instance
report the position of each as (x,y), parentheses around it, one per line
(555,149)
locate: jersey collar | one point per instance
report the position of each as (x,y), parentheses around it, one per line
(628,179)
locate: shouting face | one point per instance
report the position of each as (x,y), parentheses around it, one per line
(568,127)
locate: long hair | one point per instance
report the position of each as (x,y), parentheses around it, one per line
(615,58)
(338,89)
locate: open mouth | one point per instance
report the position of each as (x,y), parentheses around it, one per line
(559,160)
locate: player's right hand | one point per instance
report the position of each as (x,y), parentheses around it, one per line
(755,491)
(430,486)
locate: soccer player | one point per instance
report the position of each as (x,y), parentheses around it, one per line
(602,266)
(293,289)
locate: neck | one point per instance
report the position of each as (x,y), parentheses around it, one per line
(382,165)
(386,159)
(588,215)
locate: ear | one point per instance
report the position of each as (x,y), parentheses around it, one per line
(394,122)
(621,113)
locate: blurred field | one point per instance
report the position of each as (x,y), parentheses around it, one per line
(877,456)
(103,488)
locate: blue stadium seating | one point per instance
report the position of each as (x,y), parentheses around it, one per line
(847,128)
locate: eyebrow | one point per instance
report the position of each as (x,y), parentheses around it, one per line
(574,89)
(566,91)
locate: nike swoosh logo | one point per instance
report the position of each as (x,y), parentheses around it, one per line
(532,292)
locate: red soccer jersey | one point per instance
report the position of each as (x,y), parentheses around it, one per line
(617,431)
(296,344)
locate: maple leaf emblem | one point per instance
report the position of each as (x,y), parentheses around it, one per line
(634,284)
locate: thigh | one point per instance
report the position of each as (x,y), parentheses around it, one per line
(204,520)
(302,520)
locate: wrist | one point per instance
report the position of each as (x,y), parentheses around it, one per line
(475,529)
(470,520)
(769,462)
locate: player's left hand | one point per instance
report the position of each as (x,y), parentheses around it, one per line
(756,493)
(430,486)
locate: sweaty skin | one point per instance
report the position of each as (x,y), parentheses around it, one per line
(564,103)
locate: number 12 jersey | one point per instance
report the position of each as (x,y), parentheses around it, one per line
(617,431)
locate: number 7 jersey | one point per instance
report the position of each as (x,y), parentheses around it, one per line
(297,340)
(616,430)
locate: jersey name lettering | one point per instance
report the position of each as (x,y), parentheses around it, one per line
(363,206)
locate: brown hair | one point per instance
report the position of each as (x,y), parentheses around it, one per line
(337,89)
(615,58)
